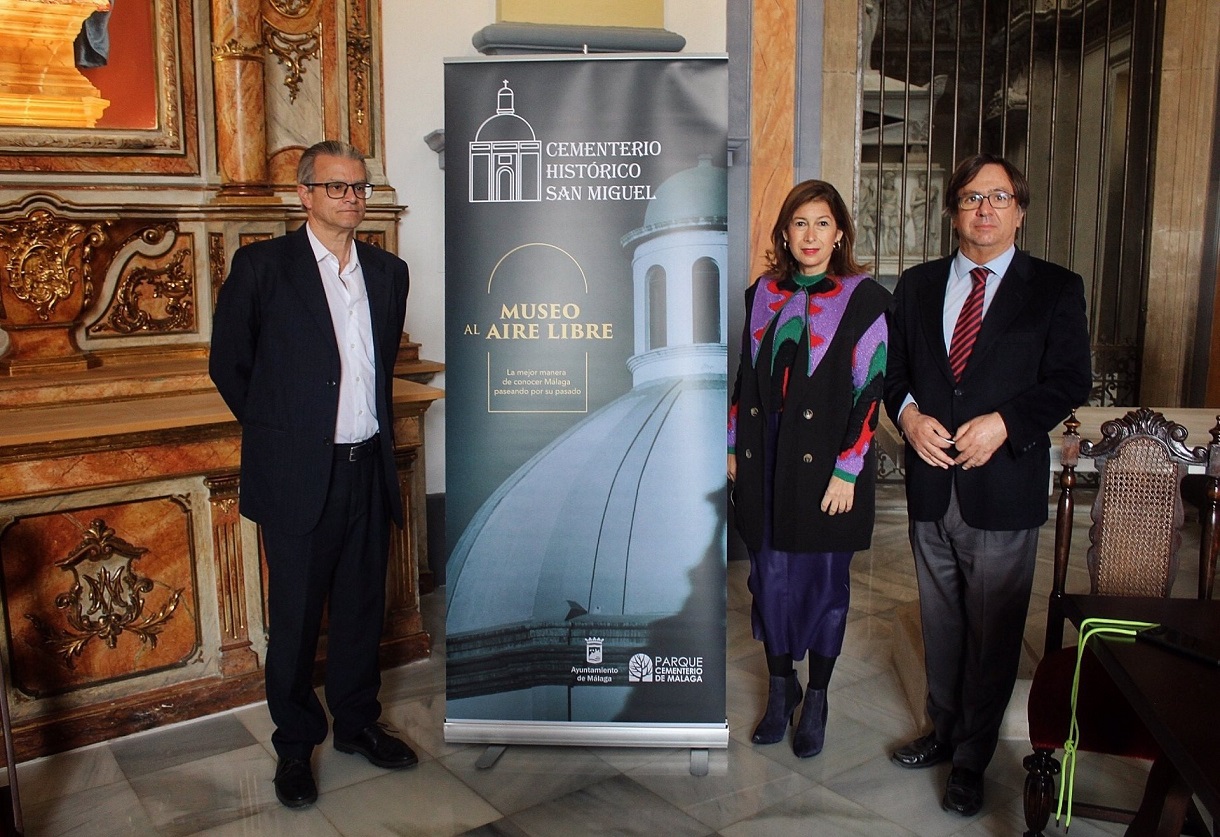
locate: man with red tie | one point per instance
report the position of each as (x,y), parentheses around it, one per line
(989,351)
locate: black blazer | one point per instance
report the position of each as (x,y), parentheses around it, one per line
(1030,364)
(275,361)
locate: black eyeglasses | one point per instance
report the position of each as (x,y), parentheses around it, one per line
(998,200)
(336,189)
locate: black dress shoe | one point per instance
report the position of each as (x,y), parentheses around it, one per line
(922,752)
(379,747)
(963,792)
(294,785)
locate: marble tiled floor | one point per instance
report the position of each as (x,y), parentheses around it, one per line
(213,776)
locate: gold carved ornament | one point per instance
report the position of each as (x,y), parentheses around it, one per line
(231,50)
(359,50)
(106,598)
(292,51)
(291,8)
(359,60)
(216,261)
(40,267)
(173,283)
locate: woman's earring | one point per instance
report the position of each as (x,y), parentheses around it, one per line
(838,243)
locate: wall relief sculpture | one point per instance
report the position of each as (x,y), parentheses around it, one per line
(154,295)
(100,593)
(107,596)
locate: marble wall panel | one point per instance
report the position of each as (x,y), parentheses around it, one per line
(123,464)
(293,85)
(99,593)
(34,392)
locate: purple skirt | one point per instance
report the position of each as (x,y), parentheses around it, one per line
(800,598)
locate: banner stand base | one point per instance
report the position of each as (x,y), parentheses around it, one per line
(700,759)
(698,737)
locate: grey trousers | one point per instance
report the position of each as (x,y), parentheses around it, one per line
(974,588)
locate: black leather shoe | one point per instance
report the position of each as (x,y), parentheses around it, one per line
(963,792)
(294,785)
(922,752)
(379,747)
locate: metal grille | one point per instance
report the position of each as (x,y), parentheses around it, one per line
(1062,88)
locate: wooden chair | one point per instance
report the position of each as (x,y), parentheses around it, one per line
(1133,551)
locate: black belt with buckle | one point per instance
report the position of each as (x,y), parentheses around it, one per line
(358,450)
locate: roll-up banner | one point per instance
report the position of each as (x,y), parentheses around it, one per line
(586,345)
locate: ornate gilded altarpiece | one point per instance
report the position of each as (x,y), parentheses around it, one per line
(132,592)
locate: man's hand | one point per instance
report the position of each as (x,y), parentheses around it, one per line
(978,439)
(927,436)
(839,496)
(732,468)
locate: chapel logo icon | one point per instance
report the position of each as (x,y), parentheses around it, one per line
(593,650)
(639,669)
(505,156)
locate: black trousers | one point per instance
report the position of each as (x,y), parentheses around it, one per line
(974,588)
(339,567)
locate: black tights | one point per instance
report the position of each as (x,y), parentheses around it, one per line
(820,668)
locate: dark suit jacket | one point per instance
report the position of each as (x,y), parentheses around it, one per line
(276,363)
(1030,364)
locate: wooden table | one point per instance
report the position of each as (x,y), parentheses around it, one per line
(1174,696)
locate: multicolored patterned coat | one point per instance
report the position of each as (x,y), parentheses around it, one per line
(816,358)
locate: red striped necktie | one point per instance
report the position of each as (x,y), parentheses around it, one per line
(969,321)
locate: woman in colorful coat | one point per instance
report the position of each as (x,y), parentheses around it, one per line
(801,424)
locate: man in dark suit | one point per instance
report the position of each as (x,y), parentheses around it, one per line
(304,339)
(989,350)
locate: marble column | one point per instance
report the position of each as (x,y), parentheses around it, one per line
(238,62)
(772,120)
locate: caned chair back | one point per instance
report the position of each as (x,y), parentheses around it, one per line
(1137,519)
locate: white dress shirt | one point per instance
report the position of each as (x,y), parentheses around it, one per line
(349,312)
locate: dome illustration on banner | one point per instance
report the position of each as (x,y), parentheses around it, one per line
(589,549)
(505,156)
